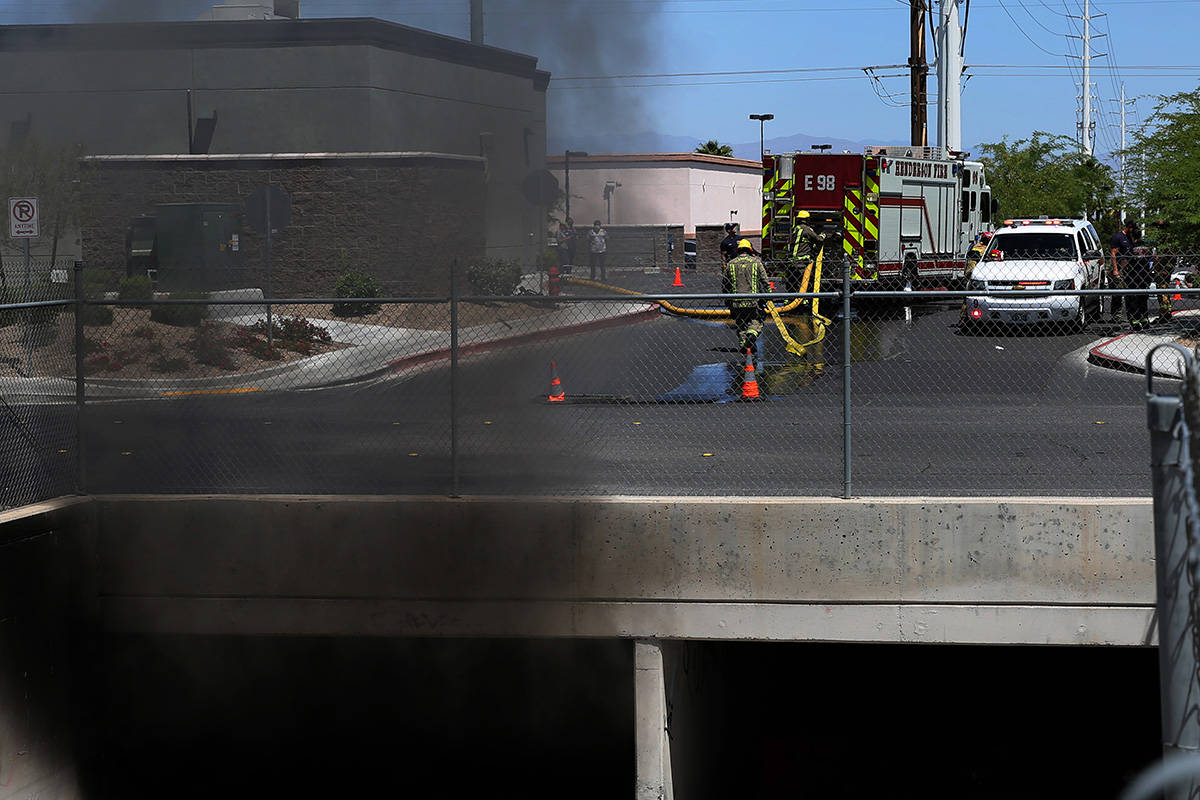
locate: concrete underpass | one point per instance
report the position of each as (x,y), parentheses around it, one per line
(307,646)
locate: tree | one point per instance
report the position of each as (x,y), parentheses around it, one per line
(1164,170)
(714,148)
(1047,174)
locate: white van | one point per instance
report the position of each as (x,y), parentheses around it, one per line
(1033,255)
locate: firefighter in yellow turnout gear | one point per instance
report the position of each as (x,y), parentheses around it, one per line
(745,274)
(806,243)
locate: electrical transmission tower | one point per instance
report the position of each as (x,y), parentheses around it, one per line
(1086,127)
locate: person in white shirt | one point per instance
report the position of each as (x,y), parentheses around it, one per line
(597,248)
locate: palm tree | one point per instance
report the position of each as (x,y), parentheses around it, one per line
(714,148)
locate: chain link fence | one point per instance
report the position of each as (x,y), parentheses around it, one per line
(1016,385)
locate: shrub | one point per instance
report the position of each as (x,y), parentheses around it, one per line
(97,315)
(245,339)
(182,316)
(356,284)
(207,346)
(144,332)
(97,281)
(103,362)
(293,329)
(92,346)
(139,287)
(494,276)
(165,364)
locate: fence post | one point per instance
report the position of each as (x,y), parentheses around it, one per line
(80,398)
(454,477)
(845,378)
(1170,471)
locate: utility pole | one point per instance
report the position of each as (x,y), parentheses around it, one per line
(1087,128)
(949,73)
(1124,104)
(476,21)
(918,69)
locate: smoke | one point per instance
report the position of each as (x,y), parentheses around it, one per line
(85,11)
(573,38)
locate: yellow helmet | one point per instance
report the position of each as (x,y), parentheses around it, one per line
(802,214)
(744,244)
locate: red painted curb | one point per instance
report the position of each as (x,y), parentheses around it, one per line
(521,338)
(1102,356)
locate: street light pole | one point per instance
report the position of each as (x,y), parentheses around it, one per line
(567,174)
(762,144)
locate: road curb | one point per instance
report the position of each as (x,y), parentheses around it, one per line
(522,338)
(1101,359)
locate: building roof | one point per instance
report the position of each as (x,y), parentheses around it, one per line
(270,33)
(650,158)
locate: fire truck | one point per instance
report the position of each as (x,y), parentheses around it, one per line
(903,215)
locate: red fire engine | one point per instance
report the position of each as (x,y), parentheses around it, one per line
(903,214)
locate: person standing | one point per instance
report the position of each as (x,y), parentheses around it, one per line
(1137,276)
(729,243)
(564,242)
(745,274)
(1120,248)
(597,248)
(806,243)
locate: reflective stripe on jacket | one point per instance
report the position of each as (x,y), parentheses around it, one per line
(745,276)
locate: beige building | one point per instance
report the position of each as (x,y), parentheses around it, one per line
(677,190)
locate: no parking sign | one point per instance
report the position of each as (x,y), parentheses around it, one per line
(23,217)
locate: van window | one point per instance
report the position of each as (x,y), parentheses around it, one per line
(966,208)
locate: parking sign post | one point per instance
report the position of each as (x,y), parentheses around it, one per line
(23,223)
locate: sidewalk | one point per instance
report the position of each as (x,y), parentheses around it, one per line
(374,350)
(1128,351)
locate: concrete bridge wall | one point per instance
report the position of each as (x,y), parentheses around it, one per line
(114,611)
(1038,571)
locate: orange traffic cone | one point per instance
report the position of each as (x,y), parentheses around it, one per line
(678,278)
(749,381)
(557,394)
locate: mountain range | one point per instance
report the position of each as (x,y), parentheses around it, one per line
(650,142)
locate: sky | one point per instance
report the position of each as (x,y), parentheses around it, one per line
(700,67)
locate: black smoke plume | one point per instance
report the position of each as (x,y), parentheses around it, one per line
(573,38)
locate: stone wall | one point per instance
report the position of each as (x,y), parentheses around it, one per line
(406,218)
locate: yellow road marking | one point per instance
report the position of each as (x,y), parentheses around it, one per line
(413,455)
(126,452)
(242,390)
(706,455)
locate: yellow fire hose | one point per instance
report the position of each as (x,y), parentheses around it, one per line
(712,313)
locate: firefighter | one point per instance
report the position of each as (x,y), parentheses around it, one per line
(745,274)
(1120,248)
(729,243)
(1162,280)
(806,243)
(976,253)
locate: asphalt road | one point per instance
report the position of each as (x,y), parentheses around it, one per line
(933,413)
